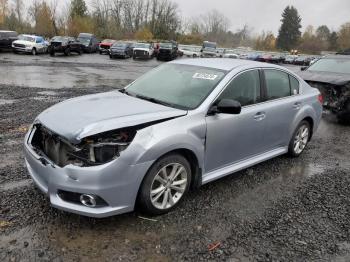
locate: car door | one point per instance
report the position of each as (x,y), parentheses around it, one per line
(39,44)
(233,138)
(282,105)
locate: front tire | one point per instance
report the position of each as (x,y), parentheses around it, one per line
(300,139)
(34,52)
(165,185)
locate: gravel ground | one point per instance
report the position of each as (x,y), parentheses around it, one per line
(281,210)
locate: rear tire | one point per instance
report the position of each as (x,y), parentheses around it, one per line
(165,185)
(67,52)
(344,116)
(300,139)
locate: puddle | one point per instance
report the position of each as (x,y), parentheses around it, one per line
(6,101)
(15,185)
(48,93)
(307,170)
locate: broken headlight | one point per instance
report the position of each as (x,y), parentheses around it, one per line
(101,148)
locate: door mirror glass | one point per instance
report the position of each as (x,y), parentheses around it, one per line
(229,106)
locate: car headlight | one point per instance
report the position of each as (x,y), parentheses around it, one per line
(101,148)
(28,46)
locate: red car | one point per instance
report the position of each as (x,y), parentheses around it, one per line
(105,45)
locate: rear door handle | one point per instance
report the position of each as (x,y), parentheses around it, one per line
(259,116)
(297,105)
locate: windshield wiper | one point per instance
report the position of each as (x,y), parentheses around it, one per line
(123,91)
(156,101)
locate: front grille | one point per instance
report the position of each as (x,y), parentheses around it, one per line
(164,51)
(140,53)
(56,44)
(19,45)
(104,46)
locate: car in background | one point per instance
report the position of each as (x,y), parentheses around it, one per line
(6,39)
(331,75)
(65,45)
(290,59)
(220,52)
(190,50)
(121,50)
(243,56)
(30,44)
(143,51)
(253,56)
(208,49)
(182,125)
(89,42)
(167,51)
(105,45)
(303,60)
(230,54)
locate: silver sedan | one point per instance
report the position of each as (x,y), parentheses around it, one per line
(181,125)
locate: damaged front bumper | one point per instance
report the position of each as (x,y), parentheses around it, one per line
(116,183)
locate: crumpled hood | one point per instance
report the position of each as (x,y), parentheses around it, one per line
(325,77)
(88,115)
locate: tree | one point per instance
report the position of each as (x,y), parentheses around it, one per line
(43,18)
(3,11)
(333,41)
(144,34)
(265,41)
(78,8)
(289,33)
(344,36)
(323,34)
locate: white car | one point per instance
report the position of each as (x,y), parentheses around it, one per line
(143,50)
(230,54)
(191,51)
(30,44)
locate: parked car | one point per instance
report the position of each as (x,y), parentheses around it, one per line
(121,49)
(30,44)
(105,45)
(230,54)
(254,56)
(65,45)
(6,39)
(167,51)
(143,50)
(220,52)
(331,75)
(243,56)
(89,41)
(290,59)
(190,51)
(303,60)
(184,124)
(208,49)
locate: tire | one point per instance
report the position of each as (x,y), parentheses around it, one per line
(110,56)
(167,197)
(344,116)
(134,57)
(299,138)
(34,52)
(67,52)
(52,53)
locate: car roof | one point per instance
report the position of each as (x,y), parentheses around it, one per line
(222,63)
(337,56)
(6,31)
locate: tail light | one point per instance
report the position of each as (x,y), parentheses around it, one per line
(320,98)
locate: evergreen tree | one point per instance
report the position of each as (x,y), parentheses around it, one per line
(289,33)
(78,8)
(333,41)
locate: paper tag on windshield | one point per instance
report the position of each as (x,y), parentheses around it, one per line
(205,76)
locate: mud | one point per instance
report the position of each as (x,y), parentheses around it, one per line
(281,210)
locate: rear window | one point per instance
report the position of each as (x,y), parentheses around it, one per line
(277,84)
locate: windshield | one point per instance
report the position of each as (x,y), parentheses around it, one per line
(179,86)
(166,45)
(142,45)
(84,40)
(333,65)
(26,38)
(209,45)
(120,45)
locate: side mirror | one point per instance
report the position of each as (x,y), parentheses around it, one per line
(227,106)
(303,68)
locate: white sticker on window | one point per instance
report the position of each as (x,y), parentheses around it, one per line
(205,76)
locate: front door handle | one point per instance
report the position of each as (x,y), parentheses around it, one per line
(297,105)
(259,116)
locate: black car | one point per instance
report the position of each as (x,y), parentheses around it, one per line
(65,45)
(121,49)
(89,42)
(167,51)
(331,75)
(6,39)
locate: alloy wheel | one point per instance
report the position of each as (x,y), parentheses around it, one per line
(168,185)
(301,139)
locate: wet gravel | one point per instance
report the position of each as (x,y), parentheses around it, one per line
(281,210)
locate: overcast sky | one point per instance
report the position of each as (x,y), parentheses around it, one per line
(266,14)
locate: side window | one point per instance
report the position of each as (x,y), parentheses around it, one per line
(294,84)
(245,88)
(277,84)
(39,40)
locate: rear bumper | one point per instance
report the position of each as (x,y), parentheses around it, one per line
(116,182)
